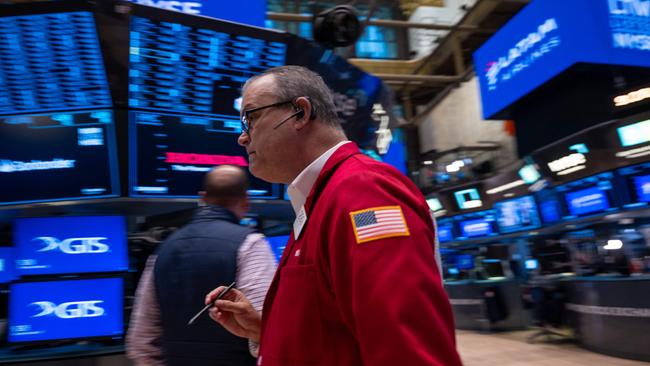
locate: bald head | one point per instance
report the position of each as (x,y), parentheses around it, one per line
(225,185)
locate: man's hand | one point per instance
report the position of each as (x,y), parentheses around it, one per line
(235,313)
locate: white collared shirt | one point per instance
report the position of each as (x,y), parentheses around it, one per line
(301,186)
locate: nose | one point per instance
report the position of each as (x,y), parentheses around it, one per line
(243,139)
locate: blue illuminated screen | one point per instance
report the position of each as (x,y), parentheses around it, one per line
(58,245)
(251,12)
(7,267)
(465,261)
(474,228)
(642,185)
(278,243)
(186,124)
(547,37)
(54,310)
(517,214)
(73,152)
(634,134)
(445,232)
(51,62)
(586,201)
(468,199)
(531,264)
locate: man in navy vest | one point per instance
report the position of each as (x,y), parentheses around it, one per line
(212,249)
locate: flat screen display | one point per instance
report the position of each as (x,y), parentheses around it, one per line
(531,264)
(634,134)
(445,231)
(58,156)
(170,155)
(54,310)
(587,201)
(51,62)
(7,267)
(184,90)
(642,186)
(465,261)
(59,245)
(517,214)
(634,185)
(468,199)
(476,228)
(278,243)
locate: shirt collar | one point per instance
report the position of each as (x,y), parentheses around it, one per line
(299,189)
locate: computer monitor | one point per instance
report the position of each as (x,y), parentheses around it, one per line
(517,214)
(185,79)
(70,309)
(493,268)
(278,244)
(476,228)
(468,199)
(62,245)
(635,181)
(591,195)
(445,231)
(465,261)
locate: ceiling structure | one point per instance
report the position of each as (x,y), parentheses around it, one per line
(419,84)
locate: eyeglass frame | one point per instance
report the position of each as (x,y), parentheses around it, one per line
(246,125)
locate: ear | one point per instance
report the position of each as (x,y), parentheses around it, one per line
(304,104)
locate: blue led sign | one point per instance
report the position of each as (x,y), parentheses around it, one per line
(252,12)
(547,37)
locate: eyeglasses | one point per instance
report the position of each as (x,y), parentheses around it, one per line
(247,122)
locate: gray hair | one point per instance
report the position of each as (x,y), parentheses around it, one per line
(297,81)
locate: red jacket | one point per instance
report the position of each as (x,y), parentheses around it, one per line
(337,302)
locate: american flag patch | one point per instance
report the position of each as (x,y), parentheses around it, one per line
(378,222)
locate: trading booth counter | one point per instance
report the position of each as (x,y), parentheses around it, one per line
(611,315)
(487,304)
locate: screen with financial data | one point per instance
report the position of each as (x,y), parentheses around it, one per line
(73,152)
(517,214)
(51,62)
(184,94)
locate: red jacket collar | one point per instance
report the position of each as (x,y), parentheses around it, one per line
(340,155)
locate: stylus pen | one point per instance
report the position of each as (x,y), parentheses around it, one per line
(222,294)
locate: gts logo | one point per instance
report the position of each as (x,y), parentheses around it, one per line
(73,245)
(69,310)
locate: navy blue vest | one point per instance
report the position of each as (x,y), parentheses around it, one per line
(191,262)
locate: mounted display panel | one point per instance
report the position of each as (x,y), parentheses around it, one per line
(476,225)
(185,76)
(70,245)
(73,152)
(445,230)
(636,183)
(70,309)
(55,125)
(517,215)
(547,37)
(7,267)
(589,196)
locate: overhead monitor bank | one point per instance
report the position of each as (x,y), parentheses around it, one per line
(547,37)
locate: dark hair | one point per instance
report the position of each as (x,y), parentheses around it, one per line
(296,81)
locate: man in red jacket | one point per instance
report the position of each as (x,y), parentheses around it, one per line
(358,283)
